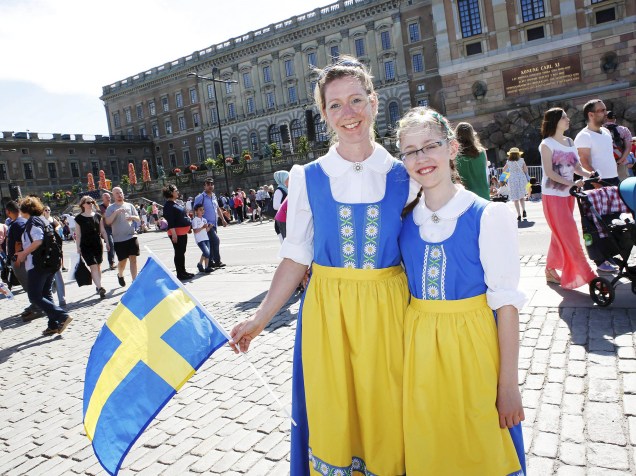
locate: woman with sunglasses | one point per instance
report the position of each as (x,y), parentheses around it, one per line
(89,234)
(343,219)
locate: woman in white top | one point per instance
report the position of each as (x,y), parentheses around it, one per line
(559,161)
(343,219)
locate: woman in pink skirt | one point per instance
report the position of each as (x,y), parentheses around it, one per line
(560,160)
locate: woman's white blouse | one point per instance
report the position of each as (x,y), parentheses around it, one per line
(348,185)
(498,244)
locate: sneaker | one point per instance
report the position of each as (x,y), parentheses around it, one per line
(122,283)
(605,267)
(64,324)
(28,316)
(218,265)
(49,331)
(200,268)
(208,270)
(102,293)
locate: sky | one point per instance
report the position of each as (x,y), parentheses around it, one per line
(58,54)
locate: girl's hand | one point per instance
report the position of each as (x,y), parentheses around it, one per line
(509,406)
(243,333)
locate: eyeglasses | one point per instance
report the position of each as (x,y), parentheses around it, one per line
(89,203)
(426,151)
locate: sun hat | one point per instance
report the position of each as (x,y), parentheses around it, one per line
(514,150)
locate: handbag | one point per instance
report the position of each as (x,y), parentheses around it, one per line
(82,274)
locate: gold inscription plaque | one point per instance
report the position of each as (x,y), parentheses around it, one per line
(548,74)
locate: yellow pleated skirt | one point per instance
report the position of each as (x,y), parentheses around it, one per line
(353,355)
(451,368)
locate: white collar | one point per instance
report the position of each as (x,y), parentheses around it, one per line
(456,206)
(334,165)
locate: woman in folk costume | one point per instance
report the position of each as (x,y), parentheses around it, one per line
(462,405)
(343,218)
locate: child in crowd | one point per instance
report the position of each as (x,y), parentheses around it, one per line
(535,190)
(200,228)
(462,405)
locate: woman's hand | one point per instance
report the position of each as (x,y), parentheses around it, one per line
(509,406)
(243,333)
(20,257)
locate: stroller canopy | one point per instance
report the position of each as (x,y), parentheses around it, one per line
(627,189)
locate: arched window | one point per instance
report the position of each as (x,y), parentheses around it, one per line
(254,142)
(274,136)
(235,146)
(394,113)
(217,149)
(296,131)
(321,129)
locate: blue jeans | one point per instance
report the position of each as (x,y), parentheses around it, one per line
(204,246)
(39,292)
(215,243)
(111,246)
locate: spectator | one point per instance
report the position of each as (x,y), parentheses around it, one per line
(212,213)
(471,163)
(120,216)
(40,279)
(535,190)
(621,143)
(58,280)
(517,180)
(106,199)
(178,228)
(238,205)
(282,180)
(90,231)
(200,228)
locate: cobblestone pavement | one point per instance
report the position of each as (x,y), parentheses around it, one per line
(577,371)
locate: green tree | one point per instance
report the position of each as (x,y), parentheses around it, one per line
(276,152)
(303,147)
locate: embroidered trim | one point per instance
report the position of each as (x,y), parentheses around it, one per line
(326,469)
(371,235)
(347,237)
(434,274)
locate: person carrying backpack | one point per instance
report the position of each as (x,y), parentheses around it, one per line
(621,143)
(42,255)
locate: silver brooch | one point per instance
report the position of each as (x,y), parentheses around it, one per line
(357,166)
(435,218)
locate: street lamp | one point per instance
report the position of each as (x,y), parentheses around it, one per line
(218,113)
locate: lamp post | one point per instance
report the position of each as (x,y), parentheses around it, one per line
(218,113)
(1,193)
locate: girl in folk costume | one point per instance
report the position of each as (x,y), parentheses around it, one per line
(462,405)
(343,219)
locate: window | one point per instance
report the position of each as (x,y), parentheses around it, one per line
(155,130)
(24,151)
(52,170)
(173,160)
(311,58)
(254,142)
(603,16)
(75,173)
(128,113)
(28,171)
(214,115)
(182,123)
(184,142)
(90,151)
(389,70)
(111,151)
(200,154)
(394,113)
(359,43)
(385,39)
(114,169)
(142,132)
(235,146)
(250,105)
(49,152)
(320,129)
(469,17)
(418,63)
(95,168)
(422,102)
(414,32)
(312,87)
(217,148)
(269,100)
(334,52)
(421,88)
(3,171)
(535,33)
(267,74)
(473,48)
(71,152)
(164,104)
(296,129)
(274,136)
(194,97)
(247,80)
(289,68)
(211,94)
(186,157)
(178,98)
(140,111)
(229,87)
(231,111)
(196,119)
(116,120)
(151,108)
(168,125)
(291,92)
(532,10)
(597,1)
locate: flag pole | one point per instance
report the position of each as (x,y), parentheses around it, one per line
(225,333)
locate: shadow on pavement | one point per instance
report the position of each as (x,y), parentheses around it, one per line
(7,352)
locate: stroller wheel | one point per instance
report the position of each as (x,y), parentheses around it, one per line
(602,292)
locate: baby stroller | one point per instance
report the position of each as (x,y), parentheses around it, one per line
(606,236)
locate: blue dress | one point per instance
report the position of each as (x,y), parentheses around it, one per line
(348,353)
(451,424)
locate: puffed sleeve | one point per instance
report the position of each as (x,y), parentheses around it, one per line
(299,242)
(499,255)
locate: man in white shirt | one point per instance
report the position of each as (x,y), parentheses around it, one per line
(594,143)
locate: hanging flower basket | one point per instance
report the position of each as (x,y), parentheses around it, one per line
(193,168)
(229,160)
(177,171)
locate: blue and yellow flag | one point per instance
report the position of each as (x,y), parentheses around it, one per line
(154,341)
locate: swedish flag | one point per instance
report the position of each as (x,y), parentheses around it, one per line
(154,341)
